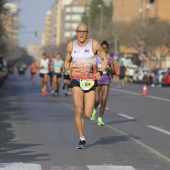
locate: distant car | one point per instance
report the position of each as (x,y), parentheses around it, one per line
(166,79)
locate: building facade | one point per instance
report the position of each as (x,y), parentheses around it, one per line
(71,17)
(127,10)
(10,23)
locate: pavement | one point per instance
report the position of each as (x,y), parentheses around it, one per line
(39,132)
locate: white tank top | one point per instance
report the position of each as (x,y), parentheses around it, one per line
(44,63)
(83,61)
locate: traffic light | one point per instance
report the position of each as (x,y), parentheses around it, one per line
(35,33)
(123,59)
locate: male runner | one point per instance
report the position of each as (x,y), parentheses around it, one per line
(57,74)
(43,65)
(81,52)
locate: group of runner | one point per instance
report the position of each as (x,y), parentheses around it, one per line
(51,70)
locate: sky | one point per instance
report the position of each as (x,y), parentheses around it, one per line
(32,18)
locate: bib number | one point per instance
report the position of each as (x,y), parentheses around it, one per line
(86,84)
(45,68)
(57,70)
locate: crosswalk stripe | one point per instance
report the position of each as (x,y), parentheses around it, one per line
(97,167)
(19,166)
(24,166)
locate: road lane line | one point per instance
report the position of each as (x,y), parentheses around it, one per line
(139,94)
(126,116)
(159,129)
(151,150)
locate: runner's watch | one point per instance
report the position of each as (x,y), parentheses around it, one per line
(101,72)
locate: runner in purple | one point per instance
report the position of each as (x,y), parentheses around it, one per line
(103,85)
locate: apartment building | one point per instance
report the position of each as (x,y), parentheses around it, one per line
(53,23)
(71,17)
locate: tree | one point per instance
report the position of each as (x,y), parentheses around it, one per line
(92,14)
(153,38)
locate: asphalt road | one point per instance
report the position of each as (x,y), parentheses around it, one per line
(41,130)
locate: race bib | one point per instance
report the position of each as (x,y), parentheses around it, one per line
(67,72)
(87,84)
(45,67)
(57,70)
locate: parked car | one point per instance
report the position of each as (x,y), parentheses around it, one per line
(166,79)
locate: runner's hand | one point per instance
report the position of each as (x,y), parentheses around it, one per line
(97,76)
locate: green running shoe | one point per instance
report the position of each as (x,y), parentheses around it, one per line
(100,122)
(93,117)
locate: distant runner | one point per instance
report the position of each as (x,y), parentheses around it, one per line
(43,65)
(33,71)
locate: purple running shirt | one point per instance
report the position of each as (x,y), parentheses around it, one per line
(105,80)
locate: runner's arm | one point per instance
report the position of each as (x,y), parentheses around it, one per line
(101,53)
(68,56)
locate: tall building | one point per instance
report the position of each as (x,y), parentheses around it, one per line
(53,24)
(45,38)
(127,10)
(71,18)
(11,24)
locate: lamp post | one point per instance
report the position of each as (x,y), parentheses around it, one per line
(101,18)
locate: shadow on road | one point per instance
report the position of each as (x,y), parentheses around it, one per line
(112,139)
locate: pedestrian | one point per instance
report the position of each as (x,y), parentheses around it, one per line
(122,74)
(81,52)
(43,65)
(103,85)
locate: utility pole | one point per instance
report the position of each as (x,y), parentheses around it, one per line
(143,13)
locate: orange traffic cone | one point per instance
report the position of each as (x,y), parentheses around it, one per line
(144,91)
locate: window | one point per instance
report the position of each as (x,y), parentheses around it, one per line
(74,26)
(68,9)
(78,9)
(152,1)
(67,34)
(152,4)
(76,17)
(67,25)
(67,17)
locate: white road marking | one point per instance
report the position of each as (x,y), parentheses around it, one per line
(111,167)
(148,148)
(19,166)
(105,108)
(126,116)
(139,94)
(159,129)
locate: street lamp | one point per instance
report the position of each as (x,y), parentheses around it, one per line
(101,18)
